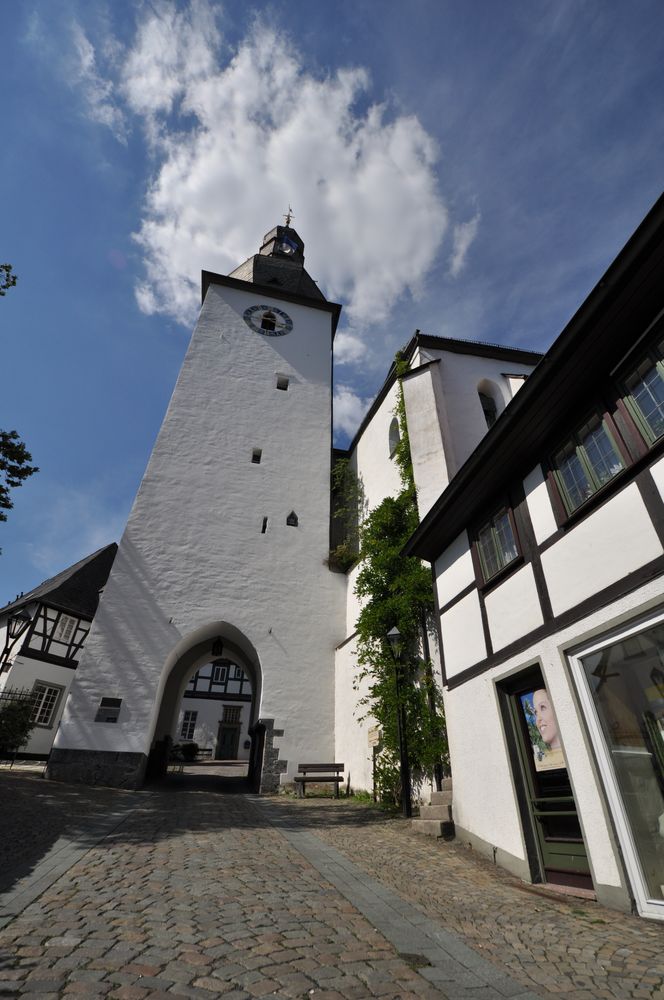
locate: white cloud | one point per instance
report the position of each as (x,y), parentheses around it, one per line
(462,237)
(348,409)
(348,348)
(98,92)
(237,139)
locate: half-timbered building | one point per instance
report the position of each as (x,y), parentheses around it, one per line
(547,550)
(42,635)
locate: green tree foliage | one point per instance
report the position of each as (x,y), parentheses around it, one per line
(348,508)
(15,724)
(14,467)
(14,456)
(7,279)
(396,591)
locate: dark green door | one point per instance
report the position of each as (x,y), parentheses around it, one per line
(227,742)
(548,795)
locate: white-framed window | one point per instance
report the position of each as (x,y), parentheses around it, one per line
(232,713)
(620,680)
(45,700)
(188,725)
(65,628)
(219,673)
(239,673)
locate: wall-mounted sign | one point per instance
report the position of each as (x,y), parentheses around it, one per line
(373,736)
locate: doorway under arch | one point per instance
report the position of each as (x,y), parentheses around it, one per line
(208,645)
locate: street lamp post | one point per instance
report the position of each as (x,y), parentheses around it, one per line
(394,639)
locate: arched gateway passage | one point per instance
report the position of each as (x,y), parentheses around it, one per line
(206,650)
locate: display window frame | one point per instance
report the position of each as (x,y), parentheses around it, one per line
(646,906)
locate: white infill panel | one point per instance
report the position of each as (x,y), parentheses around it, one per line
(539,505)
(463,635)
(454,569)
(513,608)
(614,541)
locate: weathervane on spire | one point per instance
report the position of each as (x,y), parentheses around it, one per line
(288,216)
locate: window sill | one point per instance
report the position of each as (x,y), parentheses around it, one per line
(615,485)
(501,575)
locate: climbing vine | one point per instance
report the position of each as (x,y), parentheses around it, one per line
(396,591)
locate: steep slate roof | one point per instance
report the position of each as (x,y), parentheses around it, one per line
(287,275)
(75,589)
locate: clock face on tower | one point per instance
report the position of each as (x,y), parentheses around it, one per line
(268,320)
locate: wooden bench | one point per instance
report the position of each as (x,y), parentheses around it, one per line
(318,773)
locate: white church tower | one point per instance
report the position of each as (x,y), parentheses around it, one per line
(224,553)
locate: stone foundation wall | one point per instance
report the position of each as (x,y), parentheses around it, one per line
(97,767)
(272,766)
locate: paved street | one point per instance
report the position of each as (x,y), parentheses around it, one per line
(191,891)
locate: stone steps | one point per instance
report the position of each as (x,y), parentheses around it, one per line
(436,820)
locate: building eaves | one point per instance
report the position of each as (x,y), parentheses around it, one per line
(626,299)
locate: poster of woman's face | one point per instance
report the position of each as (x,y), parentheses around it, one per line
(542,730)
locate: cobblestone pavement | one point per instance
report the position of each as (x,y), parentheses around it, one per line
(196,893)
(560,946)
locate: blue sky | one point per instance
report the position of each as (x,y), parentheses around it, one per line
(468,169)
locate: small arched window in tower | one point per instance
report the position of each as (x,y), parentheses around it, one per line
(268,321)
(395,436)
(291,520)
(488,408)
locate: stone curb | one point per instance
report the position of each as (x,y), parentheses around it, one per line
(446,961)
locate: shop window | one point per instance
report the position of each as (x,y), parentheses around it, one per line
(45,700)
(624,696)
(394,436)
(188,725)
(646,394)
(496,544)
(587,461)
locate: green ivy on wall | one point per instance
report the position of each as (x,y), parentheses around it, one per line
(397,591)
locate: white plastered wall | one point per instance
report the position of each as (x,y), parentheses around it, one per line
(209,714)
(484,799)
(426,417)
(193,551)
(352,730)
(459,376)
(606,546)
(377,472)
(24,673)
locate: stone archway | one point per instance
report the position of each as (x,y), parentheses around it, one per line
(192,652)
